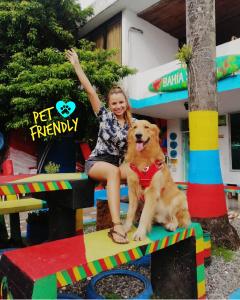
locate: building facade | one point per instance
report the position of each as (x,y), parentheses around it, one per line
(148,34)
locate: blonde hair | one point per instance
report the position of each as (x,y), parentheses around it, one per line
(118,90)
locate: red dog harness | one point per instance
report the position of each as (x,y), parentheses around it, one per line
(146,175)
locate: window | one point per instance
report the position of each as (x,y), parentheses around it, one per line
(108,36)
(235,140)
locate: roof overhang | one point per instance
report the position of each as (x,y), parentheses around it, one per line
(105,10)
(171,105)
(169,16)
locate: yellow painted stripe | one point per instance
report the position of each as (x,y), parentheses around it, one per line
(207,244)
(108,262)
(61,279)
(163,243)
(5,190)
(63,184)
(201,288)
(92,268)
(203,131)
(21,188)
(50,186)
(174,239)
(76,274)
(122,258)
(200,245)
(151,247)
(36,187)
(135,253)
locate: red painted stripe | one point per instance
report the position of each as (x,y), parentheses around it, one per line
(204,297)
(103,265)
(71,275)
(185,234)
(117,259)
(16,189)
(59,185)
(200,258)
(31,187)
(131,254)
(206,201)
(178,235)
(61,255)
(155,246)
(166,242)
(1,191)
(87,270)
(207,252)
(45,186)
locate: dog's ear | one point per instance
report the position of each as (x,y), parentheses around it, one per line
(156,131)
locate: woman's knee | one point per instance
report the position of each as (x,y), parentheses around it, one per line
(114,173)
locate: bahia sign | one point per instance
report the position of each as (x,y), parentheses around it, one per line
(177,80)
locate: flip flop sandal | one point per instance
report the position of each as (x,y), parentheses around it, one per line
(112,232)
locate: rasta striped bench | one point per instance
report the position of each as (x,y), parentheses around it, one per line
(21,205)
(177,268)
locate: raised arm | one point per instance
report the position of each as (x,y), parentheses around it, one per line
(92,95)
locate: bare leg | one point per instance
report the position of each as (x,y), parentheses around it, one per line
(104,171)
(133,204)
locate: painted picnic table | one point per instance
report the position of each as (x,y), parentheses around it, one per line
(64,193)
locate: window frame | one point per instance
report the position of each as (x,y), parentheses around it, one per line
(230,141)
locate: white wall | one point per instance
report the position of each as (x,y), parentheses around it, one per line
(175,165)
(145,50)
(138,84)
(229,176)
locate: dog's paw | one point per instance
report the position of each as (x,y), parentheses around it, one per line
(127,227)
(139,235)
(171,226)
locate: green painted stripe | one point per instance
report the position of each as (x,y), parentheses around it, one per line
(200,273)
(56,188)
(198,230)
(41,186)
(148,249)
(188,233)
(113,261)
(68,184)
(159,244)
(26,188)
(11,189)
(170,240)
(82,272)
(139,251)
(67,277)
(127,256)
(97,266)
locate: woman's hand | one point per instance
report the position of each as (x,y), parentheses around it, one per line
(72,56)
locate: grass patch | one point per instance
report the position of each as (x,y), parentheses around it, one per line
(226,254)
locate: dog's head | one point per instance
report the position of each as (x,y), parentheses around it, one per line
(143,134)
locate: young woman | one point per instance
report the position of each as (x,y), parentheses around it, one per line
(105,161)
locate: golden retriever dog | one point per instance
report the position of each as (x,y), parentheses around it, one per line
(164,203)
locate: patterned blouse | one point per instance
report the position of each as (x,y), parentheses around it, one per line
(112,137)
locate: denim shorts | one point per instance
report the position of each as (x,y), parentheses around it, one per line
(111,159)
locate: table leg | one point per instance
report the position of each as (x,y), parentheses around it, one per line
(173,272)
(15,230)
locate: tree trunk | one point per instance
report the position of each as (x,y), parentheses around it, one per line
(206,197)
